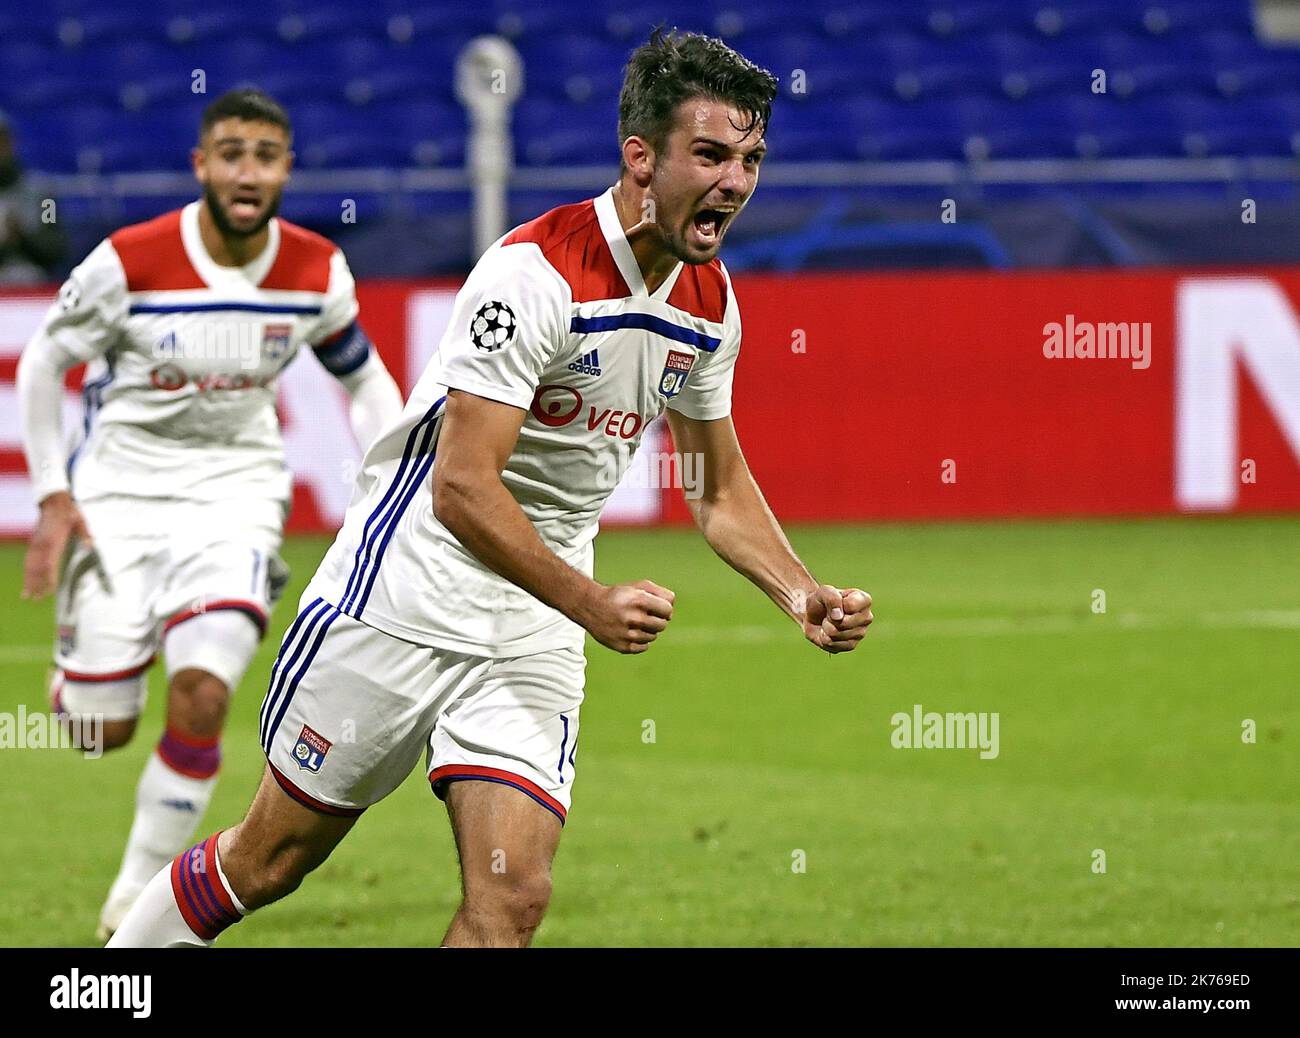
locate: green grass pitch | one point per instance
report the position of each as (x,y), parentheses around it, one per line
(1119,732)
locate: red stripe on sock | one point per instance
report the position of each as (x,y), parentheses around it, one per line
(201,897)
(214,874)
(194,760)
(188,913)
(199,742)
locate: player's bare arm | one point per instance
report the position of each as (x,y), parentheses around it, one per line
(736,521)
(469,498)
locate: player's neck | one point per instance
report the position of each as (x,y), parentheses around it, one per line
(232,251)
(655,261)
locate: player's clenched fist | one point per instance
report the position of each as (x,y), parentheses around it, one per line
(628,617)
(59,520)
(836,619)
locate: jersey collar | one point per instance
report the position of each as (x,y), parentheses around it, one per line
(621,249)
(214,273)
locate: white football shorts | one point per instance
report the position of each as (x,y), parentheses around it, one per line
(350,709)
(154,565)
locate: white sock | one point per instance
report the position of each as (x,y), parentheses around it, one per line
(157,919)
(168,809)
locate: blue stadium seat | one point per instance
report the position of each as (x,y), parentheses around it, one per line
(114,25)
(572,66)
(813,131)
(374,83)
(1262,73)
(28,24)
(629,25)
(831,68)
(551,133)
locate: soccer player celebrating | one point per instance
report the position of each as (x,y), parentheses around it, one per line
(448,616)
(177,493)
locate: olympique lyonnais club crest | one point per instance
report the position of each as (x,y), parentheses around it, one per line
(675,372)
(310,749)
(275,340)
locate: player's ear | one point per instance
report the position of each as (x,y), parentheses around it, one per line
(196,163)
(639,158)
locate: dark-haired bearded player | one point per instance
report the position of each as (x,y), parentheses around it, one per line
(184,323)
(448,617)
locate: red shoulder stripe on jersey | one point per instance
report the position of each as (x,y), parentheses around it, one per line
(701,291)
(303,262)
(572,242)
(153,255)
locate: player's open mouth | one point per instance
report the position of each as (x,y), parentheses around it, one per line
(709,224)
(245,207)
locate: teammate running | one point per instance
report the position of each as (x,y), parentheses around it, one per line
(177,493)
(448,616)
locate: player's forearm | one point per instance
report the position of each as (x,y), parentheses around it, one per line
(740,527)
(40,405)
(487,520)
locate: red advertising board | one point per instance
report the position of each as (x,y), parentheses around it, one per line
(898,396)
(930,395)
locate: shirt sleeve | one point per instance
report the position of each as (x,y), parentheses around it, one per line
(340,307)
(86,319)
(84,322)
(509,320)
(707,393)
(340,343)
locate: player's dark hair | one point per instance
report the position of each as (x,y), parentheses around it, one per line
(676,66)
(247,103)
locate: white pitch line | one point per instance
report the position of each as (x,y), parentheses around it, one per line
(955,627)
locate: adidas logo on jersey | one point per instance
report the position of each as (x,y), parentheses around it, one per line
(587,364)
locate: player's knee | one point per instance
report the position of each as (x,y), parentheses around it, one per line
(117,734)
(520,905)
(197,702)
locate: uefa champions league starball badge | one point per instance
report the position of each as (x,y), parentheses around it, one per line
(492,327)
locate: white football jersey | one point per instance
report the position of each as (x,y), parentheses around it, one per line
(555,320)
(182,356)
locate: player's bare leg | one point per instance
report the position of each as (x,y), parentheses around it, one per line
(506,842)
(269,853)
(206,655)
(258,861)
(174,789)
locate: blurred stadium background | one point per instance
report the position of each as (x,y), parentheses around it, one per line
(947,179)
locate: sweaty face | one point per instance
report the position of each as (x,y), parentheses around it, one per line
(703,177)
(243,167)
